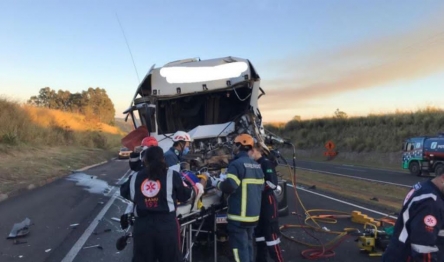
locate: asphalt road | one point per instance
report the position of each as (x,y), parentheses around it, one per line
(389,176)
(56,206)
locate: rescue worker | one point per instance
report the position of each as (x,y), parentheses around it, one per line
(244,184)
(135,161)
(155,191)
(267,233)
(181,147)
(418,231)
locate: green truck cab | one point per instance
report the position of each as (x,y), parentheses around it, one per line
(424,154)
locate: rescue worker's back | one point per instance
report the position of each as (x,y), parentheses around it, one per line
(244,183)
(155,191)
(418,230)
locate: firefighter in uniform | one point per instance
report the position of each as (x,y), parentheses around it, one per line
(135,161)
(244,184)
(267,232)
(418,232)
(181,147)
(155,190)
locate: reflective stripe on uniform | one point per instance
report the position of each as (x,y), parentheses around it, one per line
(236,254)
(169,190)
(441,233)
(243,218)
(406,215)
(273,243)
(424,249)
(270,184)
(134,159)
(260,239)
(245,183)
(133,186)
(235,178)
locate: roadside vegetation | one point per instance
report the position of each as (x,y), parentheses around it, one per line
(387,197)
(372,140)
(38,143)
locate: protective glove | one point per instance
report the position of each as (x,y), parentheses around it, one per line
(222,177)
(214,181)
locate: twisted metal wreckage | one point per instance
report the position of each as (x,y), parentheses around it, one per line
(213,100)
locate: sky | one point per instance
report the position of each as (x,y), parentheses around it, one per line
(313,56)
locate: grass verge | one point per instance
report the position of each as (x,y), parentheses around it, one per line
(389,197)
(28,167)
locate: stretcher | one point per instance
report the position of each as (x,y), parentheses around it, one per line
(211,211)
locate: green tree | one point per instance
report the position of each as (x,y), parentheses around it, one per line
(340,114)
(46,98)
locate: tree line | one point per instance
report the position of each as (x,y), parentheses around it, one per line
(94,103)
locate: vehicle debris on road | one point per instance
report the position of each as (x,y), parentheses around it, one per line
(98,246)
(20,229)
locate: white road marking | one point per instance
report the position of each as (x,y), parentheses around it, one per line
(82,240)
(344,202)
(365,167)
(354,177)
(352,169)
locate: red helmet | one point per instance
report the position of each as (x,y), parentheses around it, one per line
(149,141)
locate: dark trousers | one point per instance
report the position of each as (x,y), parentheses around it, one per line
(267,237)
(157,238)
(267,233)
(241,241)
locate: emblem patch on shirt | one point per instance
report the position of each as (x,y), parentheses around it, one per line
(417,186)
(269,171)
(430,221)
(150,188)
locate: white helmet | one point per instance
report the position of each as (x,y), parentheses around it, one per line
(182,136)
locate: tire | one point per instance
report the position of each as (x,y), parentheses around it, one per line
(439,169)
(414,168)
(282,199)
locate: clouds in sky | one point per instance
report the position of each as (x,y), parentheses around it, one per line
(410,55)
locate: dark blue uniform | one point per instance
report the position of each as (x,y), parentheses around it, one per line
(419,230)
(172,157)
(135,161)
(156,230)
(244,185)
(267,232)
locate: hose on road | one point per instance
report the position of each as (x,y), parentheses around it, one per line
(321,250)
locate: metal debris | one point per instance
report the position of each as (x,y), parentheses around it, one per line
(18,242)
(20,229)
(98,246)
(104,231)
(116,219)
(47,250)
(74,225)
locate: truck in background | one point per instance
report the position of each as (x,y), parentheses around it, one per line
(424,154)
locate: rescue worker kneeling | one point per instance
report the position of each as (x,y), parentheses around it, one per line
(155,191)
(244,183)
(267,233)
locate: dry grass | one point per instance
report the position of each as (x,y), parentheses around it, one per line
(389,197)
(374,133)
(39,165)
(26,125)
(38,144)
(48,117)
